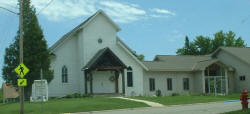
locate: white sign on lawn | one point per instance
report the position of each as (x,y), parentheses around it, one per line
(39,91)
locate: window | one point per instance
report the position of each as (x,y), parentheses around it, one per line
(64,74)
(129,77)
(151,84)
(242,78)
(169,84)
(186,83)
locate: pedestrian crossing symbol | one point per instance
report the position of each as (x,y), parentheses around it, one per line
(21,70)
(22,82)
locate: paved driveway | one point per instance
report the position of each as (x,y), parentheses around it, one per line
(206,108)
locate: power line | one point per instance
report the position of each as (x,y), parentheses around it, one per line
(9,10)
(45,7)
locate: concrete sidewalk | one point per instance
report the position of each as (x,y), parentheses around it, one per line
(152,104)
(200,108)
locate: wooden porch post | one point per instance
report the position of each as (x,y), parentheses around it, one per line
(86,81)
(123,82)
(91,82)
(116,81)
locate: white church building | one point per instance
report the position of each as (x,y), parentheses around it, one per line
(91,59)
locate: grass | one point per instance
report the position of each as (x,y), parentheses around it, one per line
(57,106)
(239,112)
(1,95)
(187,99)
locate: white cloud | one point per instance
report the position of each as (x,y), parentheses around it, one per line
(69,9)
(122,13)
(163,11)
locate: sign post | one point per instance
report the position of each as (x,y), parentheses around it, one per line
(21,70)
(21,52)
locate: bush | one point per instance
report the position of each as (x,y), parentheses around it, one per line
(76,95)
(175,94)
(85,95)
(69,96)
(158,93)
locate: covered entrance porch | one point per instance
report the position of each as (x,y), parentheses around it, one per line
(104,74)
(216,78)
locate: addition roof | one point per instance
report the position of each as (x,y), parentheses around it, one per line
(174,63)
(241,53)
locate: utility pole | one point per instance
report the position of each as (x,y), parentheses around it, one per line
(21,98)
(41,75)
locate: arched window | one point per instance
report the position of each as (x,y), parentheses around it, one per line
(129,77)
(64,74)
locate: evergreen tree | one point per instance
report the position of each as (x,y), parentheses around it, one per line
(36,53)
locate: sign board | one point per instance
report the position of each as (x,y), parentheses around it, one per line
(39,91)
(22,82)
(21,70)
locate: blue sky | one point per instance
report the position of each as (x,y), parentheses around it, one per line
(149,27)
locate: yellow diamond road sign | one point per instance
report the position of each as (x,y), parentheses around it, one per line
(22,82)
(21,70)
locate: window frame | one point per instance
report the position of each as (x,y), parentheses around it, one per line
(242,78)
(151,84)
(170,86)
(186,88)
(64,74)
(130,77)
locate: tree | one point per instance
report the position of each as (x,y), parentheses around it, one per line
(186,49)
(141,57)
(203,45)
(219,40)
(206,45)
(36,53)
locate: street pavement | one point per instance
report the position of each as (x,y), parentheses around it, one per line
(200,108)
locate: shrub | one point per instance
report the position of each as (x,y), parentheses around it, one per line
(76,95)
(85,95)
(158,93)
(175,94)
(69,96)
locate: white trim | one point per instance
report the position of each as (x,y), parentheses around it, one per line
(143,66)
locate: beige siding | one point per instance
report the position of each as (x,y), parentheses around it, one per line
(198,82)
(241,68)
(161,82)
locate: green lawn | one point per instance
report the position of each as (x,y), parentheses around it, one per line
(175,100)
(239,112)
(1,95)
(71,105)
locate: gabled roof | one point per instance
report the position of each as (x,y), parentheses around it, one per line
(202,65)
(182,63)
(82,25)
(130,52)
(174,63)
(241,53)
(100,55)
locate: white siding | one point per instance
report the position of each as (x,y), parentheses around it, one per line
(66,55)
(76,53)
